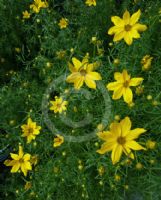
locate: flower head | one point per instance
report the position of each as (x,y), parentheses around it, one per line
(26,14)
(91,2)
(58,105)
(37,5)
(83,72)
(146,62)
(20,161)
(63,23)
(58,141)
(121,86)
(126,28)
(30,130)
(120,138)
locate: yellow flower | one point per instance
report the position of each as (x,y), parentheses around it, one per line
(37,5)
(150,144)
(26,14)
(58,105)
(146,62)
(101,170)
(83,72)
(34,160)
(30,130)
(120,139)
(20,161)
(60,54)
(139,166)
(91,2)
(121,86)
(139,90)
(58,141)
(126,28)
(27,185)
(63,23)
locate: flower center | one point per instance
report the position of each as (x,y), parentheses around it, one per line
(121,140)
(128,27)
(83,72)
(30,130)
(126,84)
(21,160)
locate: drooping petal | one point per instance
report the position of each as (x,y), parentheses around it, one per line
(117,21)
(140,27)
(135,17)
(76,62)
(90,83)
(135,81)
(107,146)
(113,86)
(15,167)
(128,39)
(118,93)
(128,95)
(119,36)
(134,145)
(135,133)
(116,154)
(78,82)
(126,17)
(125,126)
(94,76)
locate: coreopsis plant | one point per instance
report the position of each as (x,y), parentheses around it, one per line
(126,28)
(58,140)
(20,162)
(26,14)
(83,72)
(120,139)
(37,5)
(59,105)
(63,23)
(91,2)
(146,62)
(121,86)
(30,130)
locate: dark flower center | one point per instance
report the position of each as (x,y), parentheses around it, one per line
(126,84)
(121,140)
(30,130)
(83,72)
(128,27)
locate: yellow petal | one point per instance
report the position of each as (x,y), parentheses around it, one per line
(117,21)
(125,126)
(134,33)
(90,83)
(128,96)
(126,76)
(115,129)
(126,17)
(71,67)
(135,81)
(135,17)
(134,145)
(15,167)
(128,39)
(140,27)
(114,29)
(28,165)
(78,82)
(128,152)
(113,86)
(116,154)
(94,76)
(106,147)
(119,36)
(14,156)
(118,93)
(26,157)
(118,76)
(76,62)
(23,169)
(104,135)
(134,134)
(71,78)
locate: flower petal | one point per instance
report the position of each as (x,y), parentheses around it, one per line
(26,157)
(116,154)
(94,76)
(128,152)
(107,146)
(104,135)
(76,62)
(78,82)
(115,129)
(140,27)
(135,81)
(114,29)
(125,126)
(128,39)
(118,77)
(128,95)
(126,17)
(134,134)
(117,21)
(15,167)
(119,36)
(134,145)
(72,77)
(14,156)
(134,33)
(118,93)
(113,86)
(90,83)
(135,17)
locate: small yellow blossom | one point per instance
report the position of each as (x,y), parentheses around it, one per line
(34,160)
(18,50)
(20,161)
(155,103)
(37,5)
(116,61)
(58,140)
(83,72)
(26,14)
(61,54)
(121,86)
(149,97)
(30,130)
(150,144)
(117,177)
(94,40)
(63,23)
(120,139)
(146,62)
(139,166)
(101,170)
(91,2)
(126,28)
(27,185)
(139,90)
(58,105)
(117,117)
